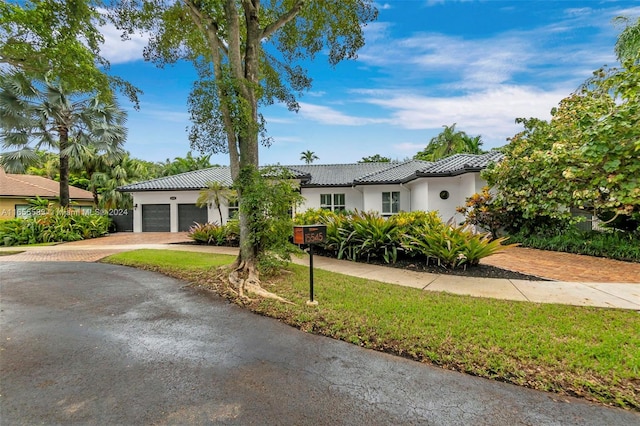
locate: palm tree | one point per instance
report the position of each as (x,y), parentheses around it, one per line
(97,167)
(124,171)
(308,156)
(450,142)
(45,113)
(214,194)
(472,144)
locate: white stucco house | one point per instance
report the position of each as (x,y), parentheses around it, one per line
(168,204)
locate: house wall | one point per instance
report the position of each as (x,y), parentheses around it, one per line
(373,196)
(459,188)
(420,194)
(8,206)
(353,197)
(173,198)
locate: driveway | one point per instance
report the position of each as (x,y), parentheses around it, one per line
(84,343)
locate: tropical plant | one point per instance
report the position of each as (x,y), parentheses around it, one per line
(45,113)
(53,225)
(369,235)
(308,157)
(214,195)
(185,164)
(453,246)
(450,142)
(483,211)
(207,233)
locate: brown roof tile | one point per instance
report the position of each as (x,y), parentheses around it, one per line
(13,185)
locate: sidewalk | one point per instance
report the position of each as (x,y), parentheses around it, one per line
(584,291)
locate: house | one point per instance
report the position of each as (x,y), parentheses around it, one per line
(168,204)
(16,190)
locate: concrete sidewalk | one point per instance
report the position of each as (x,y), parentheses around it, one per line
(606,295)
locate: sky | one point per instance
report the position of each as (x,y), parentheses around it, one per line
(426,64)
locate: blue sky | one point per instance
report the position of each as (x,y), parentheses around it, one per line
(426,64)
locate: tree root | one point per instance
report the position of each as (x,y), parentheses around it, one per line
(244,279)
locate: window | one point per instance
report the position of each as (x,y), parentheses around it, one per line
(333,202)
(24,211)
(390,203)
(233,209)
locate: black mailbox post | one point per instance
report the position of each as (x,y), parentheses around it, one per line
(310,235)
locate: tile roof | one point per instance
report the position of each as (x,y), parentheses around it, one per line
(15,185)
(398,173)
(190,180)
(330,175)
(460,163)
(339,174)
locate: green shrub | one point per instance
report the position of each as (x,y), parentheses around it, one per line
(453,246)
(369,236)
(207,233)
(612,244)
(56,225)
(232,232)
(420,235)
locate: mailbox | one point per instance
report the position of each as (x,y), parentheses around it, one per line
(309,234)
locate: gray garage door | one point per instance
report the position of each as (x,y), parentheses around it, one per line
(156,218)
(190,213)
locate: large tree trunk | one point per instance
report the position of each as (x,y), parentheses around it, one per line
(64,168)
(235,86)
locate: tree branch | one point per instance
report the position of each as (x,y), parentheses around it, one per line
(200,20)
(283,20)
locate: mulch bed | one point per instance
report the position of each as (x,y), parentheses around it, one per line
(477,271)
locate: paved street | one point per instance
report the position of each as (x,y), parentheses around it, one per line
(86,343)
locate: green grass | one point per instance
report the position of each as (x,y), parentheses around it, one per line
(589,352)
(10,252)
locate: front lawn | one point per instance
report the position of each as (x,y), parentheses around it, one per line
(578,351)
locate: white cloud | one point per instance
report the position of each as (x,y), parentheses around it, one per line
(510,57)
(118,51)
(489,113)
(327,115)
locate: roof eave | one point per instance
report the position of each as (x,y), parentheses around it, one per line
(451,173)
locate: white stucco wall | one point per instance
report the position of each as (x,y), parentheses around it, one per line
(353,197)
(165,197)
(459,188)
(373,196)
(420,194)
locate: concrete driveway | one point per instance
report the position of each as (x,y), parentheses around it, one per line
(85,343)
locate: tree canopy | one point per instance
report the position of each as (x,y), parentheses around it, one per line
(376,158)
(247,53)
(60,40)
(587,156)
(448,142)
(308,156)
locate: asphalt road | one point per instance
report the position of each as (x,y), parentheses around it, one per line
(97,344)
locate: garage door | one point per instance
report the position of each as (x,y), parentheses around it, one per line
(190,213)
(156,218)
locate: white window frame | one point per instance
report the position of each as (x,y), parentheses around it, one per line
(391,205)
(333,202)
(232,209)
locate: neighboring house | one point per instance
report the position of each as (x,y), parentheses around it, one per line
(168,204)
(16,190)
